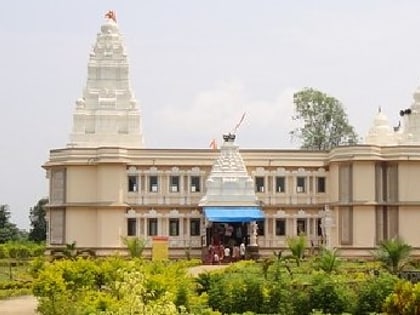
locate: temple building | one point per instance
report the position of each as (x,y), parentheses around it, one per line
(106,186)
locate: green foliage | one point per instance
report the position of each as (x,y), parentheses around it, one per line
(405,300)
(38,231)
(327,260)
(135,246)
(394,254)
(8,230)
(297,246)
(113,286)
(373,291)
(325,295)
(325,123)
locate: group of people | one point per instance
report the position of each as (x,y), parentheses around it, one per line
(220,254)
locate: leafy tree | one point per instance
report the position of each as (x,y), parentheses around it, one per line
(394,254)
(325,123)
(8,230)
(38,232)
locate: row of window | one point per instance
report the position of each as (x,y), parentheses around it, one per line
(301,184)
(260,184)
(153,228)
(153,183)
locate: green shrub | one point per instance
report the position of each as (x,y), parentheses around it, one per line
(372,293)
(405,300)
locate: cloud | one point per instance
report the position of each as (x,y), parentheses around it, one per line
(216,111)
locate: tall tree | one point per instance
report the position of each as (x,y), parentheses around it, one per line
(325,123)
(8,230)
(38,232)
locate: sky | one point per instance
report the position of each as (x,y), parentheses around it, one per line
(195,68)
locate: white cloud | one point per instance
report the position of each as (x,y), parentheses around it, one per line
(216,111)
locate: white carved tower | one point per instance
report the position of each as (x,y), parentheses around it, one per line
(107,114)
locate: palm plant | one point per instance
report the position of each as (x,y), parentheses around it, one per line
(297,246)
(328,260)
(394,254)
(135,246)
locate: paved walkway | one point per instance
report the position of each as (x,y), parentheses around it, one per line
(22,305)
(26,305)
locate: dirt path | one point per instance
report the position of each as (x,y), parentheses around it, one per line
(22,305)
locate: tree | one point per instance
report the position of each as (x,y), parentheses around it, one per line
(8,230)
(38,232)
(325,123)
(394,254)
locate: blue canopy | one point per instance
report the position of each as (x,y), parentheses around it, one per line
(233,214)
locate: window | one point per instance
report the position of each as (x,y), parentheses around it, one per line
(280,184)
(259,184)
(152,227)
(300,187)
(195,183)
(345,183)
(173,227)
(131,226)
(320,184)
(133,184)
(260,228)
(301,226)
(280,227)
(174,183)
(153,184)
(195,227)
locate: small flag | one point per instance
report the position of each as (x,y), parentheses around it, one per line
(213,144)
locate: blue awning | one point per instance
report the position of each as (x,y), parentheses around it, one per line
(233,214)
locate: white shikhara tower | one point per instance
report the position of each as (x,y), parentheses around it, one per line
(107,114)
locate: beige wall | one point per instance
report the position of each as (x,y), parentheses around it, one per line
(332,182)
(364,226)
(363,181)
(111,182)
(111,226)
(81,226)
(409,222)
(81,184)
(409,181)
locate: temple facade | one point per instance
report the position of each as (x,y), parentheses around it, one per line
(105,186)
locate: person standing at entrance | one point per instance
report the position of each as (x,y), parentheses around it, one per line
(242,249)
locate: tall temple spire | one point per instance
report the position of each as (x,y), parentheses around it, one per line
(107,114)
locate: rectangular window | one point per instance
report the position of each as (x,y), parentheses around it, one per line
(173,227)
(320,184)
(58,186)
(280,227)
(133,184)
(131,226)
(174,183)
(195,183)
(153,183)
(195,227)
(301,226)
(259,184)
(152,226)
(301,184)
(280,184)
(386,223)
(260,228)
